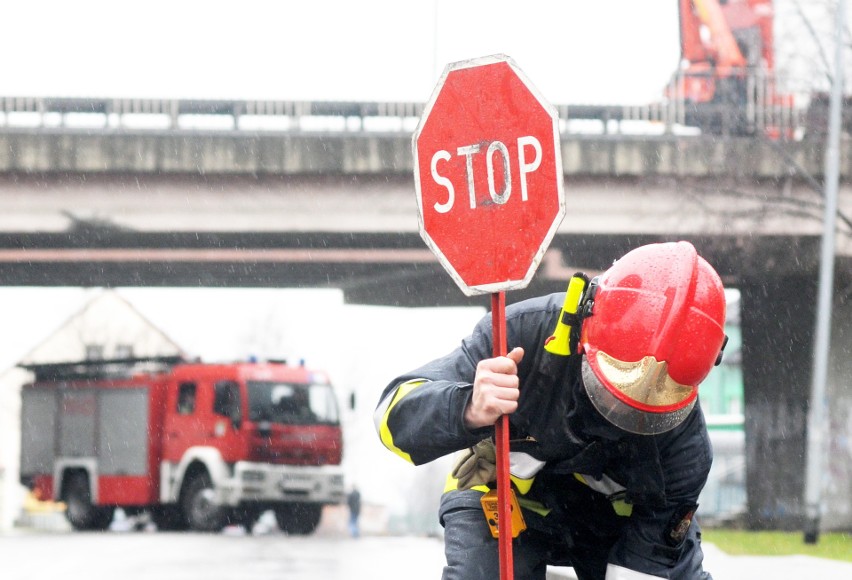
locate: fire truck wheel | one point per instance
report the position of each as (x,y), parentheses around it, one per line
(201,511)
(80,512)
(298,519)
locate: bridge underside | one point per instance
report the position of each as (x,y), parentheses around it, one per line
(371,268)
(360,232)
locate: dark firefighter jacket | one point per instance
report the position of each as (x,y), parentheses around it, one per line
(652,482)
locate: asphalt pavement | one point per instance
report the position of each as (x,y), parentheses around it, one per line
(330,554)
(141,555)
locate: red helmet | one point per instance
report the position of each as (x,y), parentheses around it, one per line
(655,331)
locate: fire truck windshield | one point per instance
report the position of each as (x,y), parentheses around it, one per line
(293,404)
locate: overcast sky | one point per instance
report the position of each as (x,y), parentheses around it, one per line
(574,51)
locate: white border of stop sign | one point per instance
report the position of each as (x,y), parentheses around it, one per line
(529,151)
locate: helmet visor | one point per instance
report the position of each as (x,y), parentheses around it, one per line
(642,406)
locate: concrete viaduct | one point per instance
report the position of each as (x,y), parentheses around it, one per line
(296,206)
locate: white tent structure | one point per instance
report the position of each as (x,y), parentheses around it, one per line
(108,326)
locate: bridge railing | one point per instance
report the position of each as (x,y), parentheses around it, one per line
(176,114)
(759,112)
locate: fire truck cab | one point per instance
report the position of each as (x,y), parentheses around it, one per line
(198,446)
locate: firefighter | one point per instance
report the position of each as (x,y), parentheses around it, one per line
(609,449)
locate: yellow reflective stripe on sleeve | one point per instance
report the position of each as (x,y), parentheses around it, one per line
(622,508)
(523,485)
(452,484)
(534,506)
(619,505)
(384,431)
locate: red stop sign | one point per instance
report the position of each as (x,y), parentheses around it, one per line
(488,175)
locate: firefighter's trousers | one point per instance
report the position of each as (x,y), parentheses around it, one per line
(581,534)
(472,552)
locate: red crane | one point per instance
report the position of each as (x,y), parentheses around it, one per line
(727,71)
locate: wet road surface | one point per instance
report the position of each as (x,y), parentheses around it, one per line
(188,556)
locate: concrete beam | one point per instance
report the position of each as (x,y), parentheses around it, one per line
(50,150)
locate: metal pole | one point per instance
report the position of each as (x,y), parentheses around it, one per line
(501,436)
(816,413)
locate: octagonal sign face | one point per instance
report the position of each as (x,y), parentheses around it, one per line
(488,175)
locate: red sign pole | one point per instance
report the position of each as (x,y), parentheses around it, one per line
(487,158)
(501,435)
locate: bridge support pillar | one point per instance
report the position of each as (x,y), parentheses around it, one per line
(837,489)
(778,317)
(778,324)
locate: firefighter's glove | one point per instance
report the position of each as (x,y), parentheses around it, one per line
(477,465)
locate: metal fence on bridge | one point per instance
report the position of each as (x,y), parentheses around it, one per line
(757,112)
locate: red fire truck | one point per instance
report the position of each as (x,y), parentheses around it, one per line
(197,446)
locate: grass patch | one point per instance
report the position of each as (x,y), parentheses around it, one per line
(834,545)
